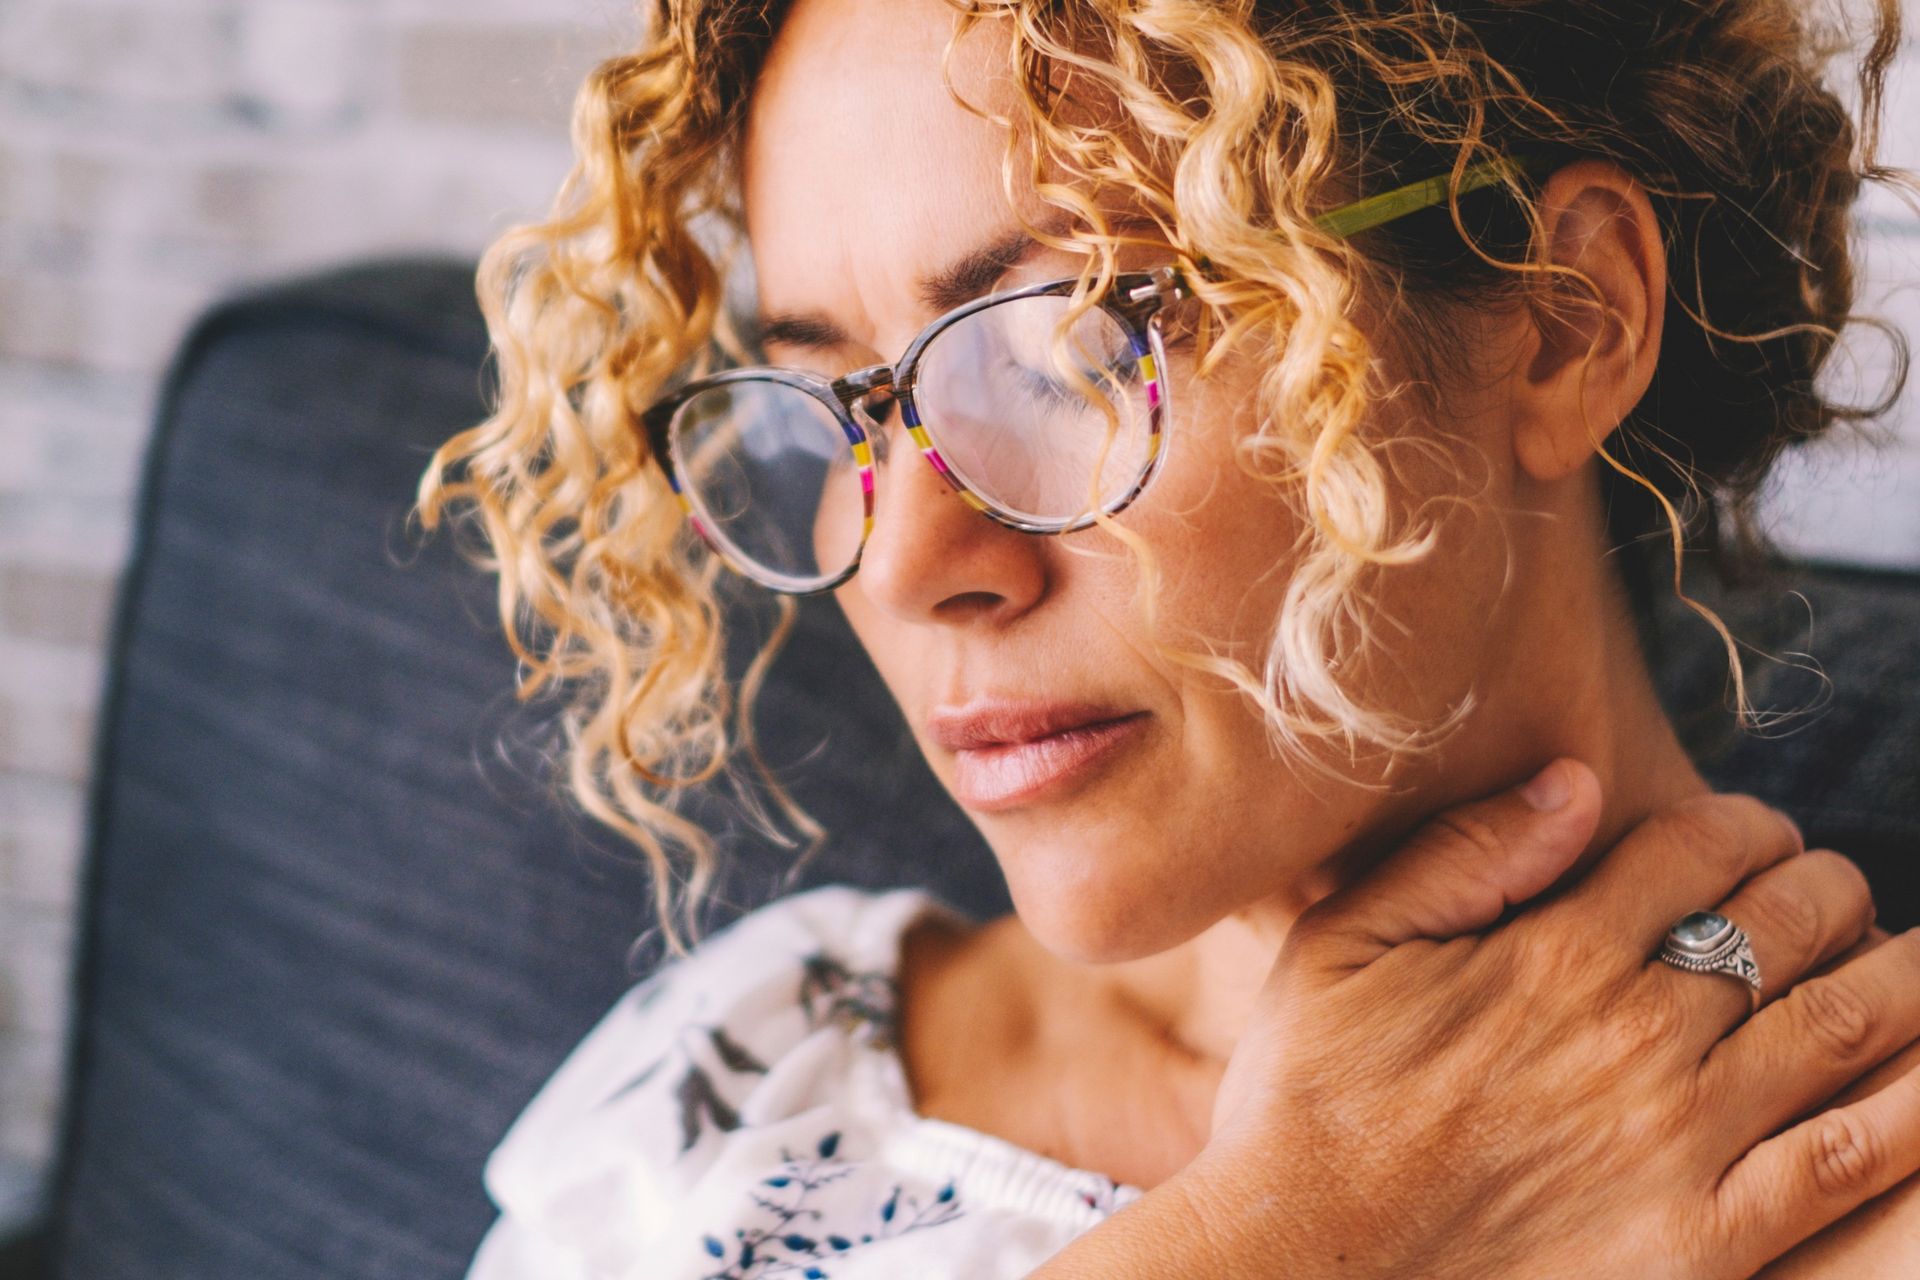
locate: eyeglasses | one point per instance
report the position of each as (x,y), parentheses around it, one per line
(1037,410)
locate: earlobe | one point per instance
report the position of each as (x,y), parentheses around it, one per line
(1593,335)
(1546,450)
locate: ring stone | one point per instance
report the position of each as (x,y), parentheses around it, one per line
(1708,942)
(1701,931)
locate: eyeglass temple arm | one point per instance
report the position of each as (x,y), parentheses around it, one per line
(1373,211)
(1376,211)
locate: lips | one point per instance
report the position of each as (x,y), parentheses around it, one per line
(1006,756)
(994,724)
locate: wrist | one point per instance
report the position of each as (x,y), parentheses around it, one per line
(1242,1222)
(1193,1226)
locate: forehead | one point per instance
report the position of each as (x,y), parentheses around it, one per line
(860,171)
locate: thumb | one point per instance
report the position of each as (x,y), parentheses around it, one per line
(1458,873)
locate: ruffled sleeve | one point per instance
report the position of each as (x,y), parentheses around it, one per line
(750,1027)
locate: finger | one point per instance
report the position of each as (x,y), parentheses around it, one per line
(1460,871)
(1875,1080)
(1893,1068)
(1878,1241)
(1682,858)
(1818,1038)
(1874,937)
(1797,914)
(1798,1183)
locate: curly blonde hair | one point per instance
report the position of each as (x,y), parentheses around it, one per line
(1227,123)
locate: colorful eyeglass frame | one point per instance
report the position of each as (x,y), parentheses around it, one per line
(1134,300)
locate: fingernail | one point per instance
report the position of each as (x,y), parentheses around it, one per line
(1549,789)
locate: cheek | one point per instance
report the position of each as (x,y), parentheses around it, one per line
(1225,541)
(1411,640)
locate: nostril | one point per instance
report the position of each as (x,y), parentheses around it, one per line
(967,605)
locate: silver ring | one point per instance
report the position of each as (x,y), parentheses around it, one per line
(1708,942)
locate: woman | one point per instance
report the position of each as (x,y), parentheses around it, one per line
(1343,344)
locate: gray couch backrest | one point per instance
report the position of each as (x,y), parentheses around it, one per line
(334,939)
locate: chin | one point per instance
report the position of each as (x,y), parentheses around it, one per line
(1097,905)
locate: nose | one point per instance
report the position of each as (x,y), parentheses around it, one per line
(932,557)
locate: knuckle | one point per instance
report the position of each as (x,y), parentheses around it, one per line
(1847,1156)
(1754,818)
(1785,916)
(1734,830)
(1835,1014)
(1843,870)
(1709,829)
(1649,1123)
(1850,883)
(1901,951)
(1468,828)
(1551,958)
(1649,1021)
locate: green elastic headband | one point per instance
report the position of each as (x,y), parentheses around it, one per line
(1374,211)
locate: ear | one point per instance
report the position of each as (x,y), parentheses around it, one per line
(1589,352)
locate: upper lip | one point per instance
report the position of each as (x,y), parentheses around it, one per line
(997,722)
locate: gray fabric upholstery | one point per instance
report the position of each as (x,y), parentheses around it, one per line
(1835,651)
(334,940)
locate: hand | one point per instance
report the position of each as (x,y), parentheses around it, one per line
(1881,1239)
(1432,1090)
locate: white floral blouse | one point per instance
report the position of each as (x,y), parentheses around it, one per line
(745,1113)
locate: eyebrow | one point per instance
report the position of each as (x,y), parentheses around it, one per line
(975,273)
(967,277)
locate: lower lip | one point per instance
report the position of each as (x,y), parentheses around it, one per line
(1011,774)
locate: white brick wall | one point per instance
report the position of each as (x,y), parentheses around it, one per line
(154,155)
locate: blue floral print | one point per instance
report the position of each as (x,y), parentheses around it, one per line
(792,1241)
